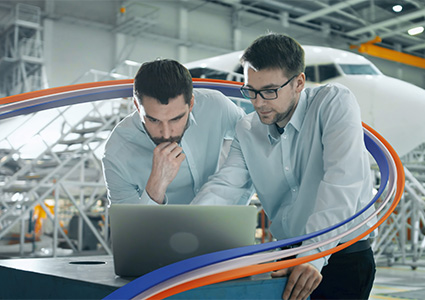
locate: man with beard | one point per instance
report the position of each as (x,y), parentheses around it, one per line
(165,151)
(303,150)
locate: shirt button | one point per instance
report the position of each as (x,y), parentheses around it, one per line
(294,190)
(284,136)
(286,168)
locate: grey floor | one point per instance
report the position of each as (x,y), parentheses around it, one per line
(399,282)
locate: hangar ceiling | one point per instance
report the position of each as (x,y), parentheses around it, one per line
(353,21)
(337,22)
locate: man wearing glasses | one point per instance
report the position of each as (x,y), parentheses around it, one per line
(303,150)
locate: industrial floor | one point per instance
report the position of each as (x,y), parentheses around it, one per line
(399,282)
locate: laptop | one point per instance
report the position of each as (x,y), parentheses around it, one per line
(148,237)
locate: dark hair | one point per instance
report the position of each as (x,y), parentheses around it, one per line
(275,51)
(163,79)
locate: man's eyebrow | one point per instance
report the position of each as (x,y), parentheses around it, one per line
(151,118)
(175,118)
(179,116)
(268,86)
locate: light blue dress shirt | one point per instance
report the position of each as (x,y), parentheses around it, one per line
(127,160)
(312,176)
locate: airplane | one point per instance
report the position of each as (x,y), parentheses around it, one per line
(391,106)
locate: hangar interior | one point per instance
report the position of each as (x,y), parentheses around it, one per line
(52,194)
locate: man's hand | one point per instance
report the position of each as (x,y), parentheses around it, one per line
(167,158)
(303,280)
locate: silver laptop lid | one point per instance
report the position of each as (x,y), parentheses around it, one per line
(147,237)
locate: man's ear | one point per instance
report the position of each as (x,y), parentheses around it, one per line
(140,109)
(136,104)
(192,101)
(300,82)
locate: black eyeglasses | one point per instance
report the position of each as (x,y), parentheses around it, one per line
(266,94)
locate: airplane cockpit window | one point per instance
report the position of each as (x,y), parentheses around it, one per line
(327,72)
(310,74)
(208,73)
(358,69)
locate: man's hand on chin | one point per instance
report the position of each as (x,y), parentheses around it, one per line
(167,158)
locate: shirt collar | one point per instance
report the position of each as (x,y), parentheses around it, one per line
(273,134)
(296,120)
(192,120)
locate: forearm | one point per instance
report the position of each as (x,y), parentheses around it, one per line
(156,189)
(231,185)
(121,190)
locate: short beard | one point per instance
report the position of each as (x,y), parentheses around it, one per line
(160,140)
(279,117)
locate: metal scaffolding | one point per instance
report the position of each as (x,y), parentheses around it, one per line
(401,239)
(21,51)
(61,177)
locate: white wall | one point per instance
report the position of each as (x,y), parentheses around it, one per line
(73,50)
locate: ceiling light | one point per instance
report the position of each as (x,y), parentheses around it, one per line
(397,8)
(415,30)
(132,63)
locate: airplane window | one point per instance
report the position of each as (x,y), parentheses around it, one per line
(238,70)
(309,74)
(358,70)
(208,73)
(327,72)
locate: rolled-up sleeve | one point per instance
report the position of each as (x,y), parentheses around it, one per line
(120,190)
(231,185)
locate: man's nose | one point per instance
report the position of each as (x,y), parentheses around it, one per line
(258,100)
(165,131)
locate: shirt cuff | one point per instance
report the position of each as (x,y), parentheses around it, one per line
(318,263)
(146,199)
